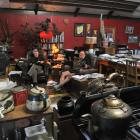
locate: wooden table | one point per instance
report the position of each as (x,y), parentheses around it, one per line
(20,118)
(20,112)
(110,64)
(118,66)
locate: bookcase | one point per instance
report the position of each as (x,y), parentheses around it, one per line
(58,40)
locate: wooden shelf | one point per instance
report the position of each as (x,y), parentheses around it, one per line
(52,42)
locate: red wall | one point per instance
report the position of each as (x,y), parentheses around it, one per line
(19,47)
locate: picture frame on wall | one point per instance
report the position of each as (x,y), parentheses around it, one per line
(110,34)
(129,29)
(133,39)
(79,29)
(88,29)
(94,32)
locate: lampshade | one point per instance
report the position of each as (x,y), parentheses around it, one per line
(54,49)
(91,40)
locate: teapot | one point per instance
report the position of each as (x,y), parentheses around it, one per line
(110,118)
(37,100)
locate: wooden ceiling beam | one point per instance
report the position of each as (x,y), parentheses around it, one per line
(110,13)
(21,11)
(76,12)
(119,2)
(111,5)
(95,5)
(122,2)
(119,5)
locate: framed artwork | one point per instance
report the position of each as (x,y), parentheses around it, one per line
(133,39)
(79,29)
(110,34)
(88,29)
(95,32)
(129,29)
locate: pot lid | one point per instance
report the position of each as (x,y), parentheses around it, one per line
(113,102)
(37,90)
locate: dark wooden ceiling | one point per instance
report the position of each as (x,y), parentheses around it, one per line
(122,8)
(120,5)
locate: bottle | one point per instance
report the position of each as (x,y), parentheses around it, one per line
(4,135)
(17,134)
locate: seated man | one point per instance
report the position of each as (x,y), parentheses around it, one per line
(85,68)
(85,63)
(36,60)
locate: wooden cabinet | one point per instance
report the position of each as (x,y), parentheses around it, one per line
(67,130)
(21,118)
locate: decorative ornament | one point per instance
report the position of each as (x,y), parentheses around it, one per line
(44,35)
(66,21)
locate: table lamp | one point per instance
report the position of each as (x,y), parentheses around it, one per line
(91,41)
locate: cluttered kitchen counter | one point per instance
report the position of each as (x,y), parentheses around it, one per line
(18,101)
(20,111)
(61,107)
(22,107)
(18,105)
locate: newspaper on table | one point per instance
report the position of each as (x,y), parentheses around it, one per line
(7,84)
(88,76)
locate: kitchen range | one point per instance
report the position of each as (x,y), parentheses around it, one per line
(95,131)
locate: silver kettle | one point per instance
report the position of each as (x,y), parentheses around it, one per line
(37,100)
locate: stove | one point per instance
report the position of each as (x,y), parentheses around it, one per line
(132,98)
(134,129)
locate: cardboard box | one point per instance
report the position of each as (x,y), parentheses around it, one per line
(110,51)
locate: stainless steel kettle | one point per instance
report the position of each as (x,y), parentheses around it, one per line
(37,100)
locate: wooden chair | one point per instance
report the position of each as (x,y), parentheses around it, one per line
(120,68)
(132,73)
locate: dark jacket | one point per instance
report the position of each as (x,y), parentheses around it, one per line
(86,61)
(33,60)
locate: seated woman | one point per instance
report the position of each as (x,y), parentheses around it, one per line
(85,68)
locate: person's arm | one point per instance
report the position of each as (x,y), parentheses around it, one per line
(41,59)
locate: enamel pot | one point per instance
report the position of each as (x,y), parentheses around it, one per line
(37,100)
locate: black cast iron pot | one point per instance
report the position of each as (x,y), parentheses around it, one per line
(65,105)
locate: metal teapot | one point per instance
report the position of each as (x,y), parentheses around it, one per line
(37,100)
(110,118)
